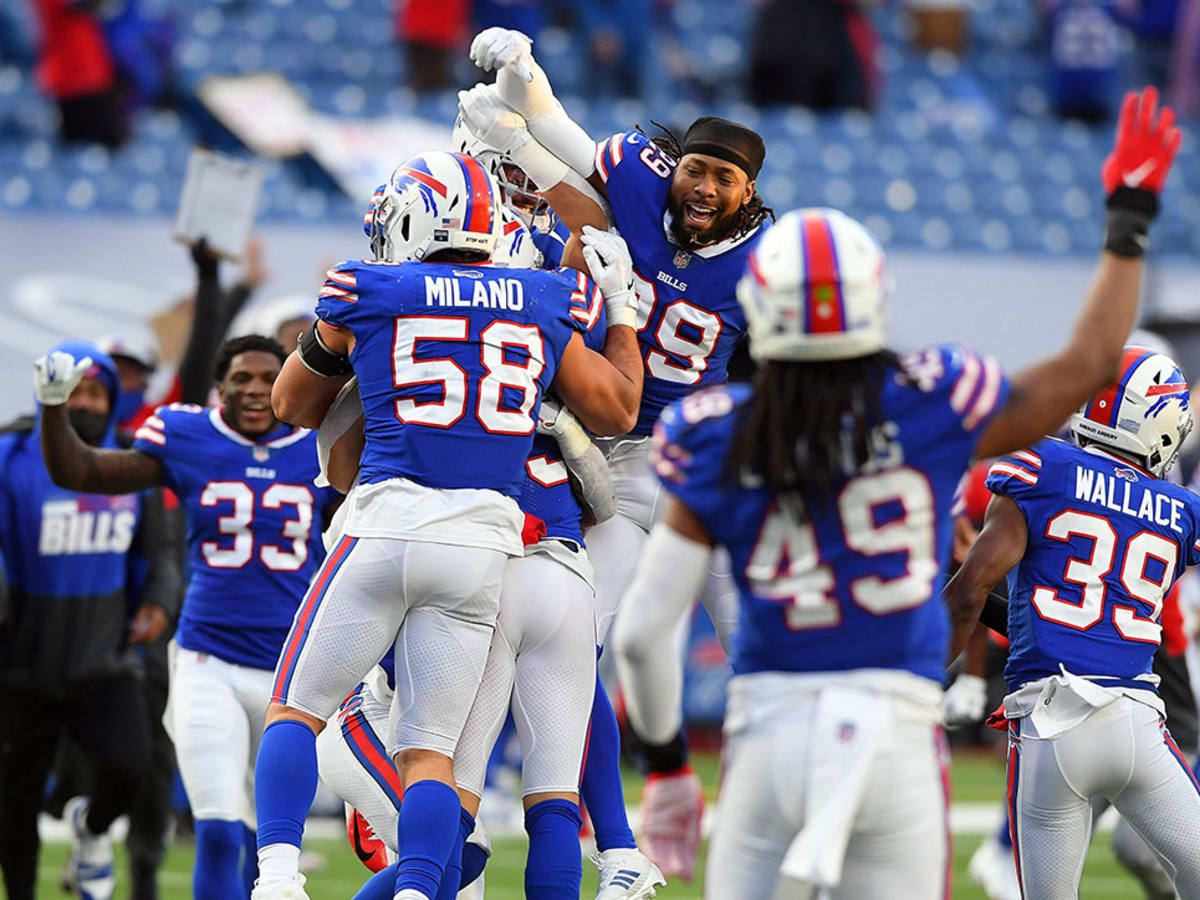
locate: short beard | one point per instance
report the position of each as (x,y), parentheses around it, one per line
(90,426)
(720,229)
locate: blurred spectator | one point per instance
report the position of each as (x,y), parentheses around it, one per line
(1085,48)
(526,16)
(818,53)
(75,68)
(90,578)
(618,34)
(434,35)
(141,51)
(136,359)
(939,24)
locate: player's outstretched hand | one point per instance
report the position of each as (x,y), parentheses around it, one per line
(491,121)
(1146,144)
(1136,170)
(964,701)
(495,48)
(611,267)
(56,375)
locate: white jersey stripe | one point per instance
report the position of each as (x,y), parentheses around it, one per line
(1026,456)
(965,386)
(1003,468)
(988,395)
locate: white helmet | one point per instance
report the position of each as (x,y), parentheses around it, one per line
(515,248)
(1144,415)
(519,192)
(435,201)
(815,289)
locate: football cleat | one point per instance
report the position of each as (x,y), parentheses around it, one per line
(280,890)
(992,868)
(90,870)
(672,806)
(626,874)
(370,849)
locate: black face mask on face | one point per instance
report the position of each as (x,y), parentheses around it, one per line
(90,426)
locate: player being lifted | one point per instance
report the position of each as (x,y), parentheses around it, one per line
(1091,538)
(452,359)
(254,541)
(830,480)
(690,217)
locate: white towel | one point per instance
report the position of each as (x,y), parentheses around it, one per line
(849,728)
(1065,701)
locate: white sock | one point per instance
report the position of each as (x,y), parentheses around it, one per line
(411,894)
(278,862)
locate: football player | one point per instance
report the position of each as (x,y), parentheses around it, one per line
(690,214)
(563,463)
(254,523)
(1094,537)
(451,358)
(830,480)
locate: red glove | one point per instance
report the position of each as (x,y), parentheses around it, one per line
(1145,146)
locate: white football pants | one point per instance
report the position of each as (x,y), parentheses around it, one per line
(654,698)
(439,603)
(543,663)
(214,716)
(861,773)
(1122,751)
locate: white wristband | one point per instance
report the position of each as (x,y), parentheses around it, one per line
(543,167)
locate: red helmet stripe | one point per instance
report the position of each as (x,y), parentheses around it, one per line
(428,180)
(1103,407)
(1173,387)
(824,312)
(479,212)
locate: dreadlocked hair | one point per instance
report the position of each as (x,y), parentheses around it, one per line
(809,427)
(752,213)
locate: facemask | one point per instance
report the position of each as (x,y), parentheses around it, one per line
(90,426)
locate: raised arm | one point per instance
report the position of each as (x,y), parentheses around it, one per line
(1043,395)
(999,547)
(73,464)
(524,87)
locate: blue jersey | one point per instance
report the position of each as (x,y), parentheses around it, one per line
(552,242)
(1106,542)
(254,522)
(547,492)
(452,361)
(857,584)
(689,319)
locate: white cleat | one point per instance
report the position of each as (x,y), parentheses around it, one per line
(672,806)
(992,868)
(280,890)
(90,871)
(626,874)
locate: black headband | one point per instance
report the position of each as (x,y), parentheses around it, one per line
(726,140)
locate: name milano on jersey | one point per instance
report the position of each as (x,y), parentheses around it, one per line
(689,319)
(452,362)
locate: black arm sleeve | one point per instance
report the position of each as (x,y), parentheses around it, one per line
(157,542)
(995,609)
(196,367)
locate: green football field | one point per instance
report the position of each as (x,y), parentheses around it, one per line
(977,778)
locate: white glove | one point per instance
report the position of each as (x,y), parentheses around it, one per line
(494,48)
(497,125)
(964,701)
(56,375)
(560,423)
(611,267)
